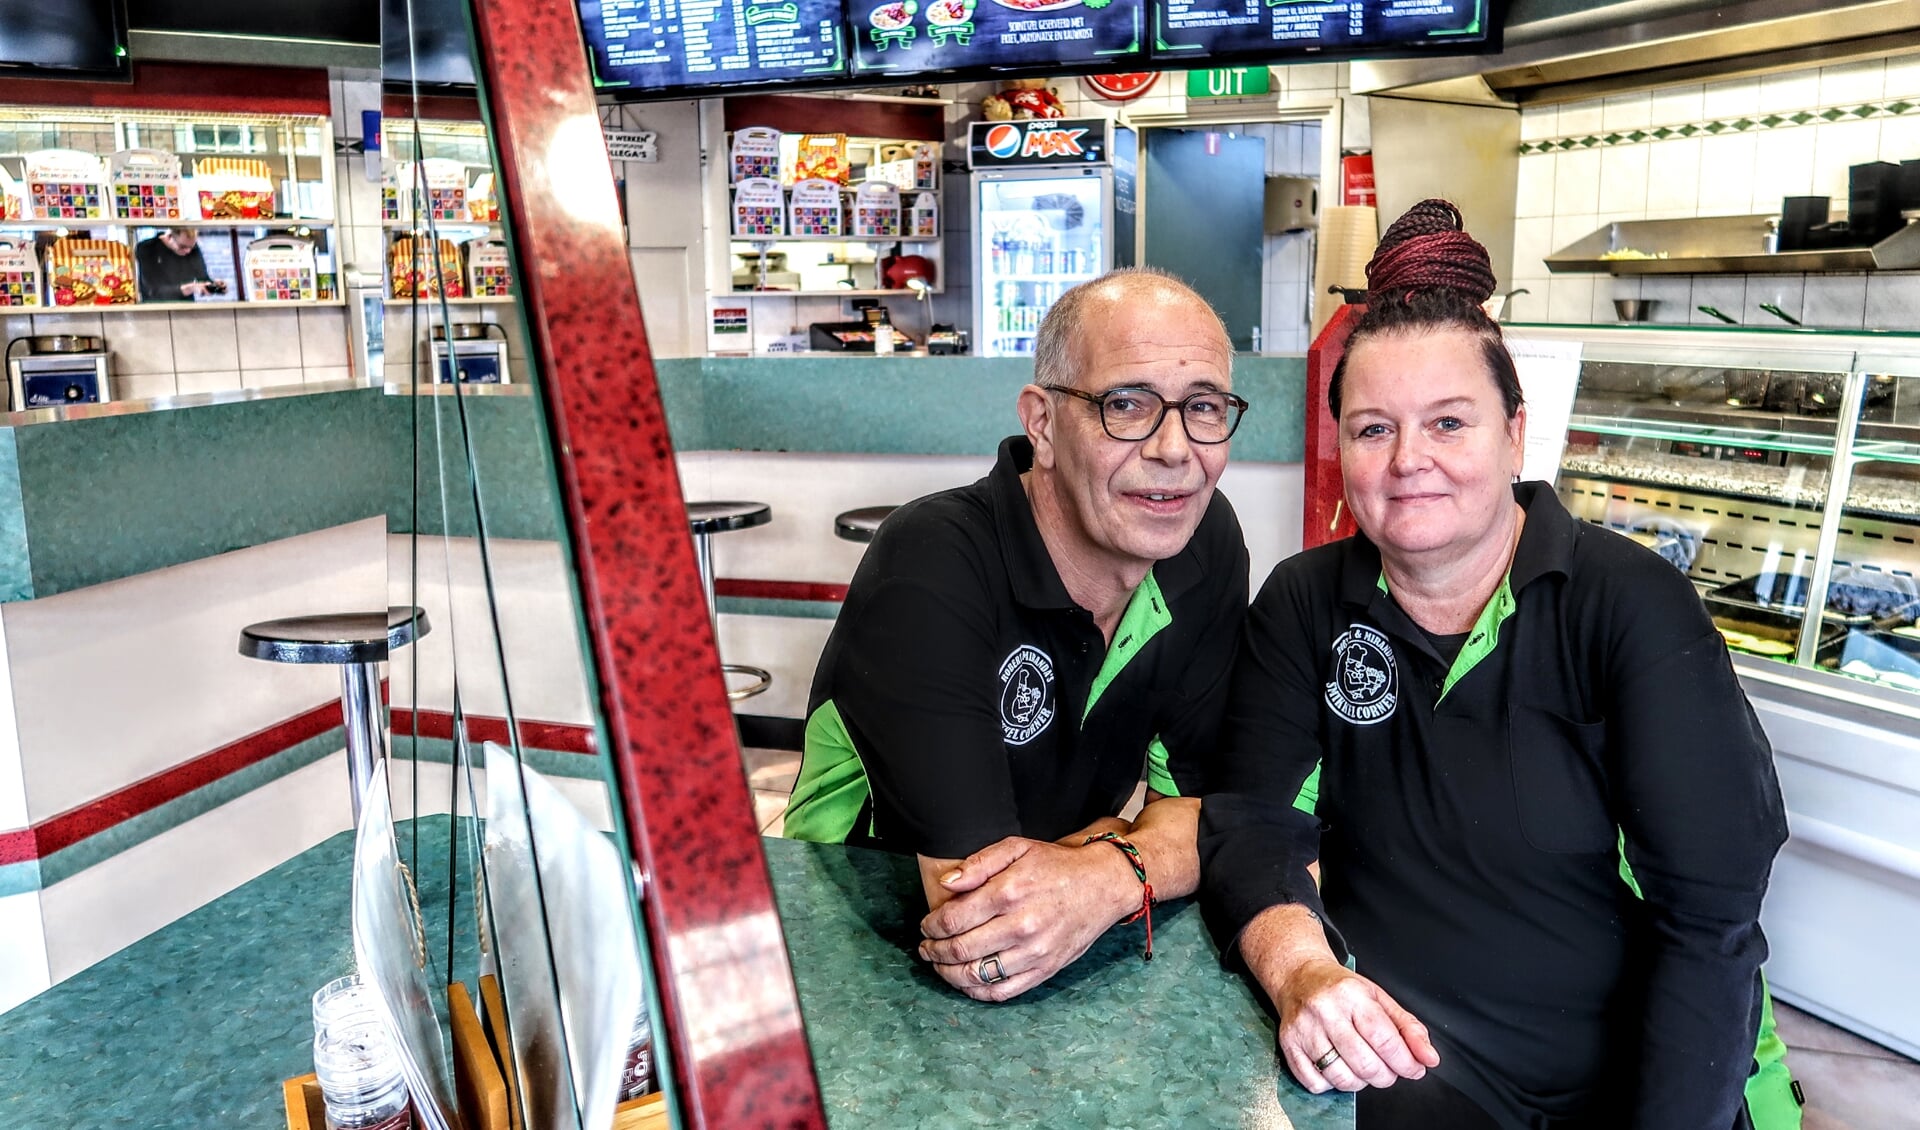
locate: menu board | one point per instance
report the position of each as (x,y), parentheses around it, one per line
(1052,36)
(1199,30)
(654,46)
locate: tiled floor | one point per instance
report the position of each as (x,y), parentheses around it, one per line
(1850,1083)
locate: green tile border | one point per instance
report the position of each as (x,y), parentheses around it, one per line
(1744,123)
(773,606)
(20,878)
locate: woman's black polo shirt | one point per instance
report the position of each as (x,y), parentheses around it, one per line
(963,697)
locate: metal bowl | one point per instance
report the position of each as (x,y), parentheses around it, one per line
(1634,309)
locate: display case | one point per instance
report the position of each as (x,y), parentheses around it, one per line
(1780,470)
(437,203)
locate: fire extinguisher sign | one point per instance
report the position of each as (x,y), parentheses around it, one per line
(1356,180)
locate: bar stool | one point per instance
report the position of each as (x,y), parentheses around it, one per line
(860,525)
(706,519)
(356,642)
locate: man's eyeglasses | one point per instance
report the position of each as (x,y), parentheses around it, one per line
(1132,414)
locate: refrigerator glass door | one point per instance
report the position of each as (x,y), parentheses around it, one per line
(1038,235)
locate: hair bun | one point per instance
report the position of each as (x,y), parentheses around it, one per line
(1428,248)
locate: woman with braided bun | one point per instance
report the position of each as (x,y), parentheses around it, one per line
(1542,810)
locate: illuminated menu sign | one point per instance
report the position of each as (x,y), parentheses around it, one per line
(1200,29)
(918,36)
(662,45)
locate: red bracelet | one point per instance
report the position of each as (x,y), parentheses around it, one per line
(1140,872)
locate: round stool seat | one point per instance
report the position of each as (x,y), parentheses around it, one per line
(861,524)
(719,517)
(336,637)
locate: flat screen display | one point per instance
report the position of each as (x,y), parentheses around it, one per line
(78,39)
(1197,30)
(1050,36)
(339,21)
(652,48)
(440,54)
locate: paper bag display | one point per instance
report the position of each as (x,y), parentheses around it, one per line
(19,274)
(147,185)
(755,154)
(281,269)
(823,156)
(65,184)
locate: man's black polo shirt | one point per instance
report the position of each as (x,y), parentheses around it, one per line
(1475,820)
(963,697)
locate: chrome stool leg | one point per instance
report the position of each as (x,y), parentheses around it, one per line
(761,677)
(360,711)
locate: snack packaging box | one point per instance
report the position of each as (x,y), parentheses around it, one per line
(876,211)
(815,209)
(281,269)
(13,199)
(91,272)
(923,218)
(926,164)
(396,196)
(147,185)
(19,274)
(755,155)
(233,188)
(483,205)
(65,184)
(411,273)
(759,209)
(822,156)
(446,189)
(488,272)
(897,173)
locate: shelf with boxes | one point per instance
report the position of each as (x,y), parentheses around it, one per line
(818,215)
(150,211)
(441,215)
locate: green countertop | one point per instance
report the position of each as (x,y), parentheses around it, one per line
(198,1023)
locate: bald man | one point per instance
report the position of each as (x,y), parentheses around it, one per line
(1016,656)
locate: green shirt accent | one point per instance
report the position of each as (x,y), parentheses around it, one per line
(832,788)
(1146,614)
(1484,636)
(1309,799)
(1158,778)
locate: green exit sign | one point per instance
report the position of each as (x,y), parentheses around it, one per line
(1229,82)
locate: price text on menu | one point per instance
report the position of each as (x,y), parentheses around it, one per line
(1199,28)
(667,44)
(915,36)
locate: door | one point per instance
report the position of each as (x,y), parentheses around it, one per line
(1204,204)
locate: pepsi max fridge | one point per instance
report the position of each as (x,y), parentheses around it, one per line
(1043,219)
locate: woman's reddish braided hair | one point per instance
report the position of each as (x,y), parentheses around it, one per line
(1426,248)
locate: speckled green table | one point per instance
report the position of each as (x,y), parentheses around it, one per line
(1111,1042)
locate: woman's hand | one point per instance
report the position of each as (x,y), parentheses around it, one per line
(1327,1008)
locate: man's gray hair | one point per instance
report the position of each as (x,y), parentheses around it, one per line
(1056,348)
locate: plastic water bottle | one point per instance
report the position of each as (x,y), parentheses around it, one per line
(359,1072)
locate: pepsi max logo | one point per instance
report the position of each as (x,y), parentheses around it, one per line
(1004,140)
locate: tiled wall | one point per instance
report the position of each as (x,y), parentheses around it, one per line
(1716,149)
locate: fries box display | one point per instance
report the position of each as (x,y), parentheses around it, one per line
(65,184)
(756,154)
(483,205)
(91,272)
(233,188)
(281,269)
(147,185)
(19,274)
(488,273)
(412,274)
(446,188)
(876,211)
(759,209)
(815,208)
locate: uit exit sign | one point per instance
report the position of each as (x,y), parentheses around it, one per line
(1229,82)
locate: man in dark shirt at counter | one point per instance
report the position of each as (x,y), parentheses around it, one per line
(1012,655)
(171,268)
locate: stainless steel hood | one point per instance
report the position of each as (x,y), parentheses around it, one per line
(1551,55)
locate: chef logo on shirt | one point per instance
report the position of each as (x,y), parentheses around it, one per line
(1364,686)
(1026,694)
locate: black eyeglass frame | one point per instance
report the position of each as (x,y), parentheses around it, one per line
(1099,399)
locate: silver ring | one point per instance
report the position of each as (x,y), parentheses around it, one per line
(1327,1060)
(980,970)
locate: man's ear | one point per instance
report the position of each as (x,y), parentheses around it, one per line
(1038,421)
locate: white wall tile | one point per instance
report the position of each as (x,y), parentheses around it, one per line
(1604,293)
(323,336)
(1893,301)
(1731,99)
(1788,292)
(1851,84)
(1782,167)
(326,375)
(16,325)
(1837,147)
(1534,194)
(269,339)
(68,324)
(1578,119)
(206,341)
(142,386)
(1900,138)
(209,381)
(1669,295)
(1673,178)
(1725,293)
(1726,174)
(1835,301)
(1790,90)
(1626,112)
(1623,178)
(1571,228)
(1903,78)
(23,949)
(1576,182)
(1570,299)
(271,378)
(1531,306)
(139,343)
(1675,105)
(1532,242)
(1537,123)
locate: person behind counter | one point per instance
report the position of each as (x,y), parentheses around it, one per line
(1544,811)
(171,268)
(1011,653)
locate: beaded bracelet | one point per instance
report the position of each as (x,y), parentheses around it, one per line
(1139,872)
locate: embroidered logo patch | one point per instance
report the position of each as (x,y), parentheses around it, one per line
(1365,682)
(1026,694)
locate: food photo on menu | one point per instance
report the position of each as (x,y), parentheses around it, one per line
(903,36)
